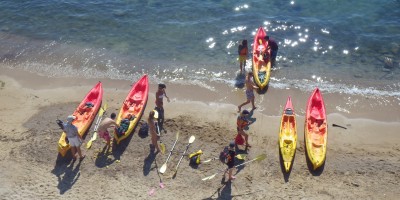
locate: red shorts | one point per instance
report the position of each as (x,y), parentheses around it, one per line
(105,135)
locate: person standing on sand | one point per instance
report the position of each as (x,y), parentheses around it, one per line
(153,131)
(73,137)
(160,94)
(241,123)
(242,51)
(108,122)
(250,86)
(231,160)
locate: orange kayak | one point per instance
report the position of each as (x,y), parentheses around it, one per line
(132,109)
(85,114)
(288,135)
(261,65)
(315,129)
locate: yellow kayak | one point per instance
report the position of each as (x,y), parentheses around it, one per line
(288,135)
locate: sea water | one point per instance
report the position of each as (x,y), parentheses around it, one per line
(347,46)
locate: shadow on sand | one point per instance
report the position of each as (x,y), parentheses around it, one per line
(66,174)
(239,80)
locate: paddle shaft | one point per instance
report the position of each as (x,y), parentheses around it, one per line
(335,125)
(170,152)
(177,166)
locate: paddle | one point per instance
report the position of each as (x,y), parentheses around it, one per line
(335,125)
(258,158)
(239,156)
(164,166)
(162,145)
(99,117)
(191,140)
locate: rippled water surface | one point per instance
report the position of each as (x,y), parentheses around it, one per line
(341,46)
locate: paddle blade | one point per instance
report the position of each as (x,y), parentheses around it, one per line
(209,160)
(163,168)
(209,177)
(241,156)
(177,135)
(162,148)
(89,144)
(103,109)
(191,139)
(260,157)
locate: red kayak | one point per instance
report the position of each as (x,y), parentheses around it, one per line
(85,114)
(261,61)
(315,129)
(132,109)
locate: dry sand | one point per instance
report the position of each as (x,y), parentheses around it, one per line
(362,161)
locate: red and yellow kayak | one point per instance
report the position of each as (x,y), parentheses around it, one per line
(84,115)
(261,66)
(288,135)
(315,129)
(132,108)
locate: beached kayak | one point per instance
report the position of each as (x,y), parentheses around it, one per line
(85,114)
(261,61)
(315,129)
(132,109)
(288,135)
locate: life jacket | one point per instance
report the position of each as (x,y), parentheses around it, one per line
(195,157)
(241,122)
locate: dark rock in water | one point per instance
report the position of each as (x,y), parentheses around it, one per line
(357,75)
(388,63)
(394,48)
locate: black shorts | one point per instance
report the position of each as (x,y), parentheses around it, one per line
(230,165)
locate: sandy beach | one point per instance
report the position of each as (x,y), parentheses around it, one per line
(362,160)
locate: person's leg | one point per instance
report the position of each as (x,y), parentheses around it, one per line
(241,105)
(155,144)
(79,152)
(246,138)
(73,151)
(252,103)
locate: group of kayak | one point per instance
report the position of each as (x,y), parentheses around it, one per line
(129,115)
(315,128)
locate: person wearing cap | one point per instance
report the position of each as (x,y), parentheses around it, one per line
(73,137)
(241,123)
(160,94)
(274,49)
(250,86)
(153,130)
(108,122)
(231,160)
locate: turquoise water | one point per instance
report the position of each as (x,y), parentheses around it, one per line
(347,46)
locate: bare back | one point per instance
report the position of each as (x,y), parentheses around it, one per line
(106,123)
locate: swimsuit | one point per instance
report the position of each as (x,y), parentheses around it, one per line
(249,94)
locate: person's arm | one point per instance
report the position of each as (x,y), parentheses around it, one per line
(165,94)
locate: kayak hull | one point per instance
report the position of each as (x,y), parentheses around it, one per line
(134,105)
(288,135)
(261,69)
(84,116)
(316,130)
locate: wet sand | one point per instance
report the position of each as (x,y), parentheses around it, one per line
(362,160)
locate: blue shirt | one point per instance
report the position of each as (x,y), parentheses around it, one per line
(70,130)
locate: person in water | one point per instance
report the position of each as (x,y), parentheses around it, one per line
(274,49)
(160,94)
(250,86)
(243,52)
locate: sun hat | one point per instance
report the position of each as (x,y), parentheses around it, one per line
(245,112)
(71,118)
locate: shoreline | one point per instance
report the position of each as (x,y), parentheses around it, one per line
(361,161)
